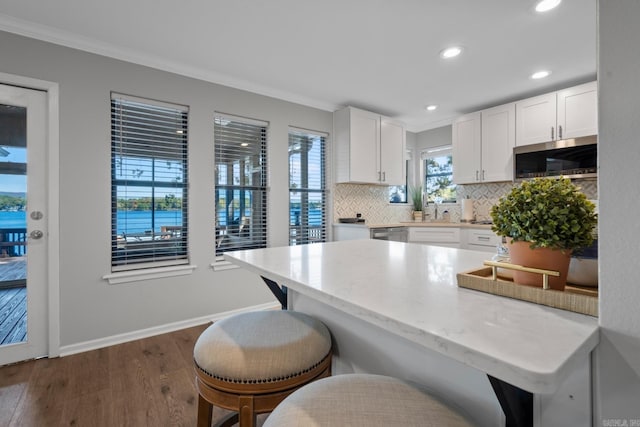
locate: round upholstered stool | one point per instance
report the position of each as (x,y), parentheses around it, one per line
(363,400)
(250,362)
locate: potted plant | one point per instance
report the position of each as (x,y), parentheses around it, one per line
(544,220)
(415,193)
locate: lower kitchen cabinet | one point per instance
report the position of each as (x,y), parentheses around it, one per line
(350,232)
(481,240)
(438,236)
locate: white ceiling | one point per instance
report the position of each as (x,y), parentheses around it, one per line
(380,55)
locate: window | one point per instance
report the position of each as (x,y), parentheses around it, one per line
(148,183)
(438,167)
(398,193)
(240,183)
(307,193)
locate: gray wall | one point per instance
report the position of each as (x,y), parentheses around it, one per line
(618,355)
(90,308)
(433,138)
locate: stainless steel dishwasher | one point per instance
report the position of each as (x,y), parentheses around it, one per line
(396,234)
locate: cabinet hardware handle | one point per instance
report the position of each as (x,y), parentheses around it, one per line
(485,238)
(560,132)
(552,133)
(483,174)
(384,176)
(379,176)
(477,179)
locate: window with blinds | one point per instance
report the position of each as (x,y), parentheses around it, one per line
(149,182)
(240,147)
(307,192)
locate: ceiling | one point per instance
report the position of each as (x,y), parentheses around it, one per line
(379,55)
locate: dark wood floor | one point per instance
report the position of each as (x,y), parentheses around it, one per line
(149,382)
(13,315)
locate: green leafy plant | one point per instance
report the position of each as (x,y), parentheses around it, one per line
(416,198)
(548,213)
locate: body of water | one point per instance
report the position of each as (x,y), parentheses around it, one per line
(140,221)
(13,219)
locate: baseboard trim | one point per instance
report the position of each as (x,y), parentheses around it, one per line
(81,347)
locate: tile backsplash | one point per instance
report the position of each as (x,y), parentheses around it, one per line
(372,201)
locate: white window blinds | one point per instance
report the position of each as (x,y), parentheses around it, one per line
(149,182)
(307,192)
(240,183)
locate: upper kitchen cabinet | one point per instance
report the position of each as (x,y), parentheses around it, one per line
(466,134)
(568,113)
(369,148)
(483,145)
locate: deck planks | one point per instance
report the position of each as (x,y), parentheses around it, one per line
(13,315)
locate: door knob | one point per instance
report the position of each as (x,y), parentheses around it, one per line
(36,234)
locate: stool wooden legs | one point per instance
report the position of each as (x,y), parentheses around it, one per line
(205,411)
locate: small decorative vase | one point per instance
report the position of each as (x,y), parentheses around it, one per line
(417,216)
(544,258)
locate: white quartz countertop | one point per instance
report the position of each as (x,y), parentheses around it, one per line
(416,224)
(411,290)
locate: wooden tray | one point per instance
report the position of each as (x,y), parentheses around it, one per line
(574,298)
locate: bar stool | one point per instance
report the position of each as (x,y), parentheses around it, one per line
(363,400)
(250,362)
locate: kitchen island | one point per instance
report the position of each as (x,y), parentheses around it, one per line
(394,308)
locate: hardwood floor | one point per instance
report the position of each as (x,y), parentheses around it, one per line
(149,382)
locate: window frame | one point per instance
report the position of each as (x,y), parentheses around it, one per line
(150,249)
(300,229)
(440,151)
(253,234)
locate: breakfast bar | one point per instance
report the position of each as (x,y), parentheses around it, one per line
(396,307)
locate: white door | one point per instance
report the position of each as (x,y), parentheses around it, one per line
(23,220)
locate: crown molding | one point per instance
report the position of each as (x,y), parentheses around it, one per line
(75,41)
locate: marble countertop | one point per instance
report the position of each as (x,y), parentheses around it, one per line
(411,290)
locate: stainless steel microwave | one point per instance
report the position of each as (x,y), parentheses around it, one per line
(572,158)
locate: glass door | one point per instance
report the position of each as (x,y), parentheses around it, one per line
(23,314)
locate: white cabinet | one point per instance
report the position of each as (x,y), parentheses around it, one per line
(498,140)
(369,148)
(392,152)
(466,133)
(350,232)
(568,113)
(438,236)
(481,240)
(483,145)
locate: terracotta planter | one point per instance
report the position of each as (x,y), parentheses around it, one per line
(545,258)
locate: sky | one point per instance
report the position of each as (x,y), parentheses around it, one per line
(13,183)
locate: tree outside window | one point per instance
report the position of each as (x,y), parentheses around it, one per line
(439,186)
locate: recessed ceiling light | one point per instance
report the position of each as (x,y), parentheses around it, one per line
(451,52)
(431,107)
(540,74)
(546,5)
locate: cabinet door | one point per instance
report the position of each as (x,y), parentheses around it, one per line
(578,111)
(364,146)
(536,120)
(498,140)
(392,152)
(441,236)
(466,136)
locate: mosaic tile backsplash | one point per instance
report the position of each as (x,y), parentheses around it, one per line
(372,201)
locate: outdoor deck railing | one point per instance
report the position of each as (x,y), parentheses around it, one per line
(13,242)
